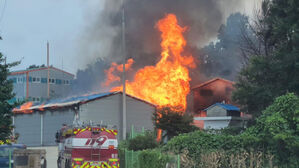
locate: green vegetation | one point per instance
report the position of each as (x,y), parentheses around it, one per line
(6,94)
(141,142)
(173,121)
(274,70)
(275,135)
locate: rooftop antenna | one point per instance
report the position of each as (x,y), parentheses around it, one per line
(48,65)
(124,74)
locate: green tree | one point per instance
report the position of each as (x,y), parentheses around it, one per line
(225,57)
(6,94)
(275,71)
(278,128)
(173,121)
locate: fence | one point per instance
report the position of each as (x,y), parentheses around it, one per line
(146,159)
(6,156)
(137,159)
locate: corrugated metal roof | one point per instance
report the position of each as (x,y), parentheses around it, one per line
(70,101)
(225,106)
(56,103)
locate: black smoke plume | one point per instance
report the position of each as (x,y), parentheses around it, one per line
(102,37)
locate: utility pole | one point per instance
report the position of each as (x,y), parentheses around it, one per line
(124,74)
(48,65)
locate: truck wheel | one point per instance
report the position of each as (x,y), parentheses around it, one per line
(67,164)
(44,163)
(58,162)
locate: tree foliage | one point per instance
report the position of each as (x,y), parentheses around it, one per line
(6,94)
(224,57)
(275,71)
(173,121)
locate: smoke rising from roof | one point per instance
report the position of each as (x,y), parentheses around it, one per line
(103,37)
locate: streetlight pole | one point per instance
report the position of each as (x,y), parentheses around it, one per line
(124,74)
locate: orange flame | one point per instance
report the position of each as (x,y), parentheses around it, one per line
(114,67)
(41,107)
(166,83)
(24,108)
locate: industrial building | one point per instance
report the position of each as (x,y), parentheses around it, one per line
(38,124)
(32,84)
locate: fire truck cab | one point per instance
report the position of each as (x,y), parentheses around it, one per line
(84,146)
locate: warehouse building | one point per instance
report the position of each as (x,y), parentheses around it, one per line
(38,124)
(32,84)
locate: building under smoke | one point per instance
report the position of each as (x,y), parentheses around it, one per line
(38,124)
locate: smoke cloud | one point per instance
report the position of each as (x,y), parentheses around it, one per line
(102,38)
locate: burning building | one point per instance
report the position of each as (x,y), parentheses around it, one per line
(38,123)
(216,90)
(212,105)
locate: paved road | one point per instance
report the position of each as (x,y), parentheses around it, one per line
(51,155)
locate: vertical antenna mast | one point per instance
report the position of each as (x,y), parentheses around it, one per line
(48,65)
(124,74)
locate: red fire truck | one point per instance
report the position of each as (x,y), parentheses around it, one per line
(87,146)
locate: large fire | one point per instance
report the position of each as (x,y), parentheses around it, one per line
(166,83)
(25,108)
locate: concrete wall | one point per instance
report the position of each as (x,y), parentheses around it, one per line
(139,114)
(108,110)
(19,86)
(29,126)
(221,122)
(216,111)
(105,110)
(53,122)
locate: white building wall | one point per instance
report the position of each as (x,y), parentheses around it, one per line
(108,110)
(104,110)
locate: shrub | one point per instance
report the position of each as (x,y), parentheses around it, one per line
(142,142)
(153,159)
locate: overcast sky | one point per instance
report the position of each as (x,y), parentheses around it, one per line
(26,25)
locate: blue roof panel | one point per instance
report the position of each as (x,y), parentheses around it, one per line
(225,106)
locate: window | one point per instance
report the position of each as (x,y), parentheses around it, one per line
(14,80)
(51,80)
(35,79)
(43,80)
(58,81)
(67,82)
(20,80)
